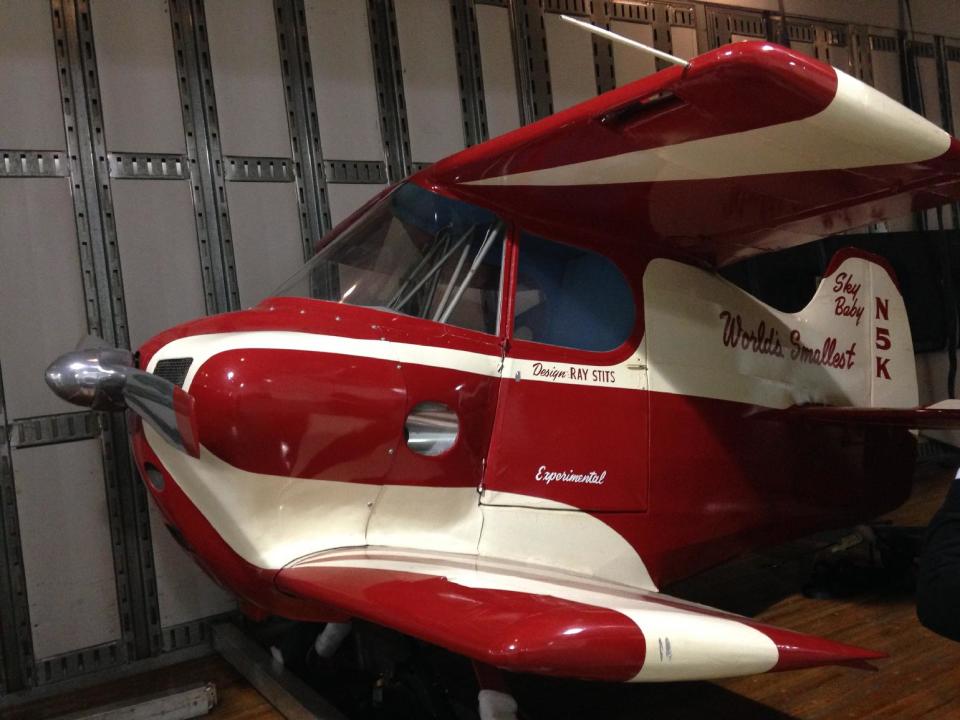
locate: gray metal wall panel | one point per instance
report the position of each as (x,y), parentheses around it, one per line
(66,547)
(42,291)
(684,40)
(247,77)
(804,47)
(630,64)
(30,114)
(430,85)
(839,57)
(266,236)
(499,75)
(886,73)
(570,52)
(345,198)
(953,75)
(162,282)
(186,593)
(885,67)
(343,79)
(930,90)
(138,76)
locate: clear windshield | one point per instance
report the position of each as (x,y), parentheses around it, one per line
(417,253)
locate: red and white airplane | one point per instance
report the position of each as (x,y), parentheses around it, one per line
(510,397)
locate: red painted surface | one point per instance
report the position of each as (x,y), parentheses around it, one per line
(301,414)
(804,651)
(692,482)
(736,88)
(578,429)
(563,427)
(474,399)
(510,630)
(184,409)
(725,479)
(296,314)
(843,254)
(524,632)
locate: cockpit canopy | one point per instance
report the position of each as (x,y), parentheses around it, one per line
(416,253)
(422,254)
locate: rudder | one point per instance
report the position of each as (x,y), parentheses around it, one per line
(858,303)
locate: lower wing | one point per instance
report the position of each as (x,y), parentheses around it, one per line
(526,619)
(943,415)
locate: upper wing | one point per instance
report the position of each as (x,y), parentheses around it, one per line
(750,148)
(513,617)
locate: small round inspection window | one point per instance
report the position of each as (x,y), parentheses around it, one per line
(431,429)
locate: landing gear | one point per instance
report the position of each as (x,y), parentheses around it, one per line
(494,700)
(874,558)
(371,673)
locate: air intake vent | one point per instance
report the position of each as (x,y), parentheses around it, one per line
(175,370)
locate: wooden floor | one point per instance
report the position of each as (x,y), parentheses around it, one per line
(921,679)
(238,700)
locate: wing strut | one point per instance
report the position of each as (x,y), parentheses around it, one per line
(626,41)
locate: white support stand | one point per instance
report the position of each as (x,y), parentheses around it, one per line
(496,705)
(331,638)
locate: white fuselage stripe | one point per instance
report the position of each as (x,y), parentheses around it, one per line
(203,347)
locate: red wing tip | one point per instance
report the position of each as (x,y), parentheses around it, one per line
(806,651)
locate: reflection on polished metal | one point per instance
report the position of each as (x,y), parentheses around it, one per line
(105,379)
(431,428)
(92,378)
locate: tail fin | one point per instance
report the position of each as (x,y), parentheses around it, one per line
(859,309)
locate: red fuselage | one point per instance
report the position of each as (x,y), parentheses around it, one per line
(690,481)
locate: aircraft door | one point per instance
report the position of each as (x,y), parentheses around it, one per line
(572,419)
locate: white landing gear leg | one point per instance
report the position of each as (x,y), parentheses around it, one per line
(331,638)
(326,644)
(495,701)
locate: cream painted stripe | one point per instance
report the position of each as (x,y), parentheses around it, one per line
(695,646)
(271,520)
(203,347)
(861,127)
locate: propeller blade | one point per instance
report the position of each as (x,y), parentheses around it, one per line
(105,379)
(164,407)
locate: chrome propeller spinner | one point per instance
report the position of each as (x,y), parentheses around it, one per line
(104,378)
